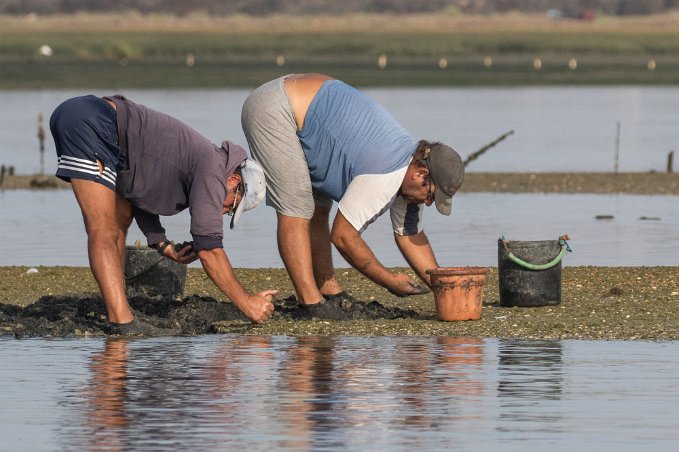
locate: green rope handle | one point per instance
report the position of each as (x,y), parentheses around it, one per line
(564,248)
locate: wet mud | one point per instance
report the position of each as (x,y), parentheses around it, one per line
(73,316)
(597,303)
(641,183)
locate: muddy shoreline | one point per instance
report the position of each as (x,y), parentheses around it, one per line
(647,183)
(598,303)
(630,303)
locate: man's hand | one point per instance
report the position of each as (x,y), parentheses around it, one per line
(403,285)
(182,252)
(258,307)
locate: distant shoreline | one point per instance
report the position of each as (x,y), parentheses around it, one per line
(108,51)
(647,183)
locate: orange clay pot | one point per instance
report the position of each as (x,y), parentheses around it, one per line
(458,292)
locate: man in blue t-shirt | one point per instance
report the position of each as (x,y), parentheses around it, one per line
(319,140)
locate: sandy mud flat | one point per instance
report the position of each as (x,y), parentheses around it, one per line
(630,303)
(648,183)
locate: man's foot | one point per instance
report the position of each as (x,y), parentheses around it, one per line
(340,296)
(137,328)
(325,310)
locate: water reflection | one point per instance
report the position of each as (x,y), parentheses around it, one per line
(338,393)
(419,385)
(140,397)
(143,398)
(311,390)
(108,396)
(530,376)
(310,403)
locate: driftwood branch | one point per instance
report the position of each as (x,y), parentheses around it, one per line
(475,155)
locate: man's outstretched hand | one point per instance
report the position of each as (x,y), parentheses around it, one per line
(403,285)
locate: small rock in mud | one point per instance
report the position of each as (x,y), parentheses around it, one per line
(614,292)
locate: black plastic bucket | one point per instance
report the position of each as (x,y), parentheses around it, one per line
(530,272)
(148,273)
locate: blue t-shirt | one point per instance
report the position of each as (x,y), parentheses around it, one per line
(347,135)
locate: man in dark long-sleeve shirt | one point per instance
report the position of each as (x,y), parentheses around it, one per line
(126,161)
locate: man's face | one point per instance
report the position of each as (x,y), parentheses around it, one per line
(234,195)
(420,188)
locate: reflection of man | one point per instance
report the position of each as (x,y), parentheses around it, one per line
(320,140)
(125,160)
(307,377)
(108,395)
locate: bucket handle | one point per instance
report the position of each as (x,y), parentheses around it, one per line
(562,243)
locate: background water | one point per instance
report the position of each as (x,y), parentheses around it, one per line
(338,393)
(556,128)
(45,228)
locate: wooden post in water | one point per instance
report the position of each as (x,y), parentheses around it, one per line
(670,161)
(617,147)
(475,155)
(41,138)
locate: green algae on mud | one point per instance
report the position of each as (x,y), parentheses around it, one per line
(633,303)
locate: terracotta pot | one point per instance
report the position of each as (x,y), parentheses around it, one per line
(458,292)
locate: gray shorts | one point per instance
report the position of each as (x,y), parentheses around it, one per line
(271,131)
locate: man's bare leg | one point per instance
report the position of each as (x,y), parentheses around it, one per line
(321,252)
(98,205)
(124,219)
(294,245)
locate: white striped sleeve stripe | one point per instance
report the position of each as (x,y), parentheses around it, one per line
(109,177)
(88,169)
(75,160)
(81,163)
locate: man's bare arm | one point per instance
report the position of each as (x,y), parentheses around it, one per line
(353,248)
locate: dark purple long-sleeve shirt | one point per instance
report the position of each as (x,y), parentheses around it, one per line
(171,167)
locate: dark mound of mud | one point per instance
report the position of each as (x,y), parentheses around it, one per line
(69,316)
(342,309)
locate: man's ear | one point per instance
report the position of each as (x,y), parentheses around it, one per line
(234,178)
(421,173)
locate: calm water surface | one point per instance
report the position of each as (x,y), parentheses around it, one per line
(338,393)
(45,228)
(555,128)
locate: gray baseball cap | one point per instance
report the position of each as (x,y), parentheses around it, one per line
(255,188)
(447,173)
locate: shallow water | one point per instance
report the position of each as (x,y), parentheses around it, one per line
(338,393)
(559,128)
(556,129)
(45,228)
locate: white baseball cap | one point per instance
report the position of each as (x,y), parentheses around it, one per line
(254,183)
